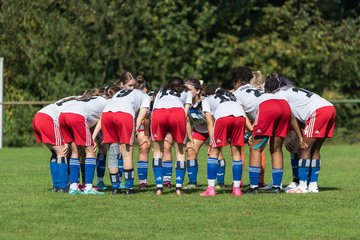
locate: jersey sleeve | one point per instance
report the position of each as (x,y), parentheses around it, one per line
(206,105)
(189,98)
(145,103)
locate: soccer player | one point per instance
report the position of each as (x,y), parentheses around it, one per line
(76,120)
(118,125)
(171,105)
(318,116)
(230,121)
(47,131)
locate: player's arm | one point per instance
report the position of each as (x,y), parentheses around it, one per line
(189,130)
(97,129)
(140,118)
(298,132)
(210,123)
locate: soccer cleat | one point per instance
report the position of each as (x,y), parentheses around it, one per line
(129,191)
(92,191)
(275,190)
(101,185)
(81,186)
(209,192)
(291,185)
(167,185)
(54,189)
(221,186)
(298,189)
(116,191)
(143,186)
(254,190)
(313,188)
(63,190)
(75,192)
(179,191)
(191,186)
(236,191)
(159,191)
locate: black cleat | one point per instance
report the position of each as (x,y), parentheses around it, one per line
(116,191)
(254,190)
(129,191)
(54,189)
(275,190)
(158,191)
(63,190)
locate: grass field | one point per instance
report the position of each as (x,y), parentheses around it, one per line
(29,211)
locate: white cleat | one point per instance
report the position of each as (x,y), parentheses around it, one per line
(313,188)
(298,189)
(291,185)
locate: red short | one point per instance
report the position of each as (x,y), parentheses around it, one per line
(74,129)
(273,118)
(46,130)
(321,123)
(118,127)
(199,136)
(172,120)
(229,127)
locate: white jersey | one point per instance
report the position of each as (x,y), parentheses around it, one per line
(54,109)
(172,99)
(249,98)
(197,117)
(222,105)
(128,101)
(303,102)
(90,108)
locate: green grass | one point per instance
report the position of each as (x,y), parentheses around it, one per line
(29,211)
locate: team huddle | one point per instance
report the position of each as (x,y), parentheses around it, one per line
(85,133)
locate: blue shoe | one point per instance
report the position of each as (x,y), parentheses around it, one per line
(101,185)
(75,192)
(92,191)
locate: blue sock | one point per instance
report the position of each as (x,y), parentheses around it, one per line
(74,170)
(142,167)
(54,172)
(295,167)
(167,170)
(90,164)
(277,175)
(82,168)
(315,169)
(304,167)
(220,176)
(101,165)
(158,173)
(129,178)
(180,173)
(192,169)
(212,168)
(237,170)
(115,181)
(121,165)
(254,174)
(62,172)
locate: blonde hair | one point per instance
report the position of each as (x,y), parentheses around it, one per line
(258,78)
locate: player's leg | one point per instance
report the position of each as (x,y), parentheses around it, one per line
(212,168)
(101,163)
(61,167)
(180,167)
(167,162)
(142,164)
(158,149)
(114,153)
(315,166)
(126,152)
(220,175)
(277,162)
(192,151)
(74,165)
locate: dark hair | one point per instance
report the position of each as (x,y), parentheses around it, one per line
(91,92)
(211,88)
(276,81)
(141,82)
(194,82)
(176,84)
(110,91)
(124,78)
(242,75)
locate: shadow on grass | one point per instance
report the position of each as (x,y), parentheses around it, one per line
(323,189)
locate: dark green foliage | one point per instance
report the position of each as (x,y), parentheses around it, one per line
(54,49)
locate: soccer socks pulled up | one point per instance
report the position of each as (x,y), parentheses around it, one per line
(237,172)
(115,181)
(295,167)
(192,170)
(142,167)
(74,170)
(220,176)
(120,165)
(158,172)
(304,167)
(54,172)
(129,178)
(254,175)
(212,169)
(62,169)
(277,175)
(90,164)
(315,169)
(167,169)
(100,166)
(82,170)
(180,173)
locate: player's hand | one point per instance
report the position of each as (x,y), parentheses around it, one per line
(250,140)
(66,149)
(142,140)
(95,146)
(302,144)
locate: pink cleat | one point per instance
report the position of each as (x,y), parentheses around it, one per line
(209,192)
(236,191)
(81,186)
